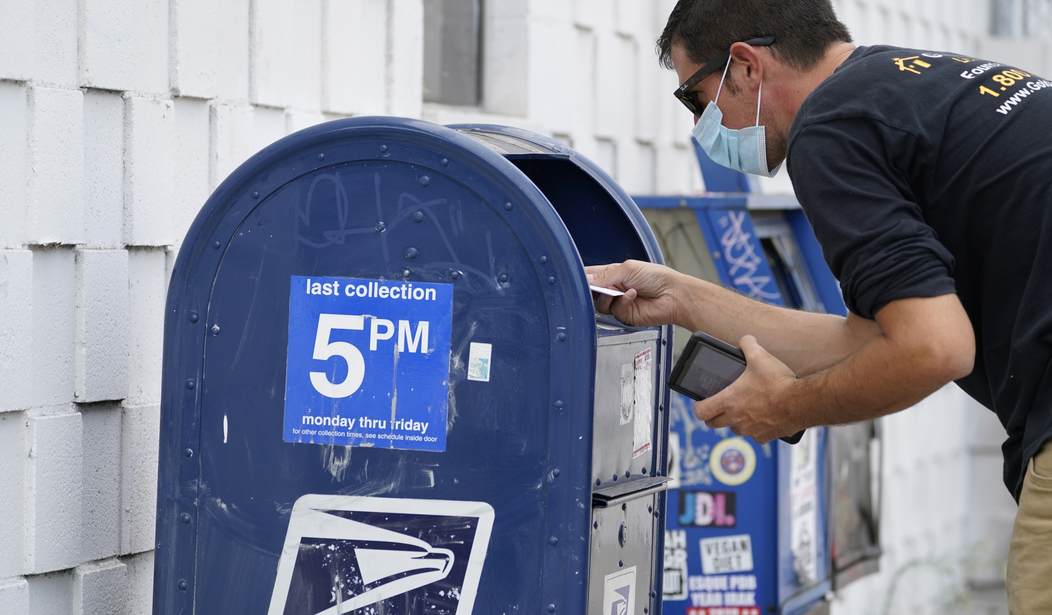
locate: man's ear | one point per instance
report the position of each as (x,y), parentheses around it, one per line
(747,58)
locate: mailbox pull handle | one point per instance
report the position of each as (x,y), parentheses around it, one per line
(617,494)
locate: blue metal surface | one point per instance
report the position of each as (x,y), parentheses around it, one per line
(383,199)
(826,285)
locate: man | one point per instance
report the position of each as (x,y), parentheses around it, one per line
(928,180)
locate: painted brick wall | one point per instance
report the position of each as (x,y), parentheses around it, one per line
(104,162)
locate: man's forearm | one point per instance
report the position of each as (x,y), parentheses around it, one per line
(876,381)
(806,342)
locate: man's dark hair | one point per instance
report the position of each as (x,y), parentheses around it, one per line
(803,29)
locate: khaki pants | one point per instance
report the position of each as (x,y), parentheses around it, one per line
(1029,579)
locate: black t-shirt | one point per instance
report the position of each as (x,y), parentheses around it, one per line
(926,174)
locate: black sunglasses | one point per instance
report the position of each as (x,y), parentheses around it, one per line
(689,98)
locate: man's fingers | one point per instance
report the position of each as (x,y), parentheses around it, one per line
(751,348)
(708,409)
(599,274)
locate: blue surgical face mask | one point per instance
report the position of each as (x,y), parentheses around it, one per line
(742,150)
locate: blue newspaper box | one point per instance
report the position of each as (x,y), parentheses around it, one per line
(386,389)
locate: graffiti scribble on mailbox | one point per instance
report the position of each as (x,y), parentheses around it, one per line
(744,264)
(329,210)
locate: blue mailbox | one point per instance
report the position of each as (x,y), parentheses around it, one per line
(386,389)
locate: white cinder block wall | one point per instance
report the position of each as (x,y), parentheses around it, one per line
(118,118)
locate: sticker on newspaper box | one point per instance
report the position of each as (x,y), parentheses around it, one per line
(726,554)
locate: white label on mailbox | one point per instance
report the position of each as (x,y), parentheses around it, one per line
(643,393)
(627,393)
(479,361)
(726,554)
(619,592)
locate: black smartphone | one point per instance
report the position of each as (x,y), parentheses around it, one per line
(707,366)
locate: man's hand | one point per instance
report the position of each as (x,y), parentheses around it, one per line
(652,292)
(756,404)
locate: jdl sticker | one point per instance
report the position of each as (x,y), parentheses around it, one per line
(368,363)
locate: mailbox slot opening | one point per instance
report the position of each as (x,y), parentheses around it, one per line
(597,223)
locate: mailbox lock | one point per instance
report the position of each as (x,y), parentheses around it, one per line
(622,534)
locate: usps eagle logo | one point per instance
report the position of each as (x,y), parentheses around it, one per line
(345,553)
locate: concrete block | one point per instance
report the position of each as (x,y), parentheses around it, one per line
(354,56)
(633,18)
(149,138)
(615,65)
(191,168)
(50,593)
(101,355)
(124,45)
(231,61)
(285,53)
(56,166)
(100,588)
(298,120)
(146,294)
(17,44)
(582,85)
(405,78)
(103,169)
(139,444)
(12,485)
(676,170)
(238,132)
(195,29)
(53,328)
(170,256)
(101,497)
(53,490)
(505,73)
(16,330)
(55,49)
(638,167)
(268,125)
(550,43)
(230,141)
(14,151)
(597,15)
(14,596)
(140,583)
(651,78)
